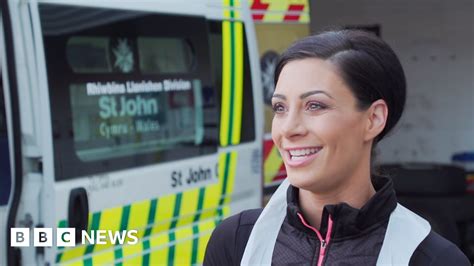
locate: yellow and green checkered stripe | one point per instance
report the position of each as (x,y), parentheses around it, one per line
(174,229)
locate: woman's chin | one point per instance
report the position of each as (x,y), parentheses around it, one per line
(302,181)
(314,183)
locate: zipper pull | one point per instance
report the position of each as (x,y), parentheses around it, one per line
(322,250)
(323,244)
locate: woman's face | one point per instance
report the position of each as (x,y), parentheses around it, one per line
(316,126)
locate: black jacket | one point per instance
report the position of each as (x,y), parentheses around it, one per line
(356,239)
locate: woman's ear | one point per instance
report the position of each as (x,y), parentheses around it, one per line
(377,117)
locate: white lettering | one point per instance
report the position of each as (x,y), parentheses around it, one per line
(133,235)
(132,87)
(117,236)
(101,236)
(97,88)
(90,238)
(43,237)
(144,86)
(176,85)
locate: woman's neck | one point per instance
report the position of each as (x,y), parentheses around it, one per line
(355,192)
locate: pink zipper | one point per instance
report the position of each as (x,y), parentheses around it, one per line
(324,242)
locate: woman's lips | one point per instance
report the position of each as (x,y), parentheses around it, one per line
(301,160)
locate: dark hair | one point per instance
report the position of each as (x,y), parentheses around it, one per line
(366,63)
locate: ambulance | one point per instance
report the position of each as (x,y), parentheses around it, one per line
(123,116)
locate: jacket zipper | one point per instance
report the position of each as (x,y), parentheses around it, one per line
(324,242)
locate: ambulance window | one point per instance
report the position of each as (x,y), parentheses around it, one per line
(127,93)
(88,54)
(5,174)
(248,122)
(164,55)
(157,55)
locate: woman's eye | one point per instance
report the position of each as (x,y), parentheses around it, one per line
(278,108)
(314,106)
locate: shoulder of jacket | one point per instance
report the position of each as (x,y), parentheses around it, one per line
(249,217)
(228,240)
(231,225)
(436,250)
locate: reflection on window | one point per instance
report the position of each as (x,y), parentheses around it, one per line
(164,55)
(157,55)
(88,54)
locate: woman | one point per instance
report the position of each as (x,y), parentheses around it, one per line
(337,95)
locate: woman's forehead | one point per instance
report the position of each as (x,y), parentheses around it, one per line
(305,76)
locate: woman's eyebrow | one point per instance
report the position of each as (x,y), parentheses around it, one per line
(306,94)
(281,96)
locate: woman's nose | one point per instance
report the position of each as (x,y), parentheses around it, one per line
(293,126)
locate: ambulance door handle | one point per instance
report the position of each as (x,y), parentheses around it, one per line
(78,213)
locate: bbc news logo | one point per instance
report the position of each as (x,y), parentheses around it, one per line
(66,237)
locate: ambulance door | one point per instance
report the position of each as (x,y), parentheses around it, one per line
(134,132)
(5,170)
(240,135)
(18,133)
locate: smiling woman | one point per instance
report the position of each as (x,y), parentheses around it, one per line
(323,137)
(337,95)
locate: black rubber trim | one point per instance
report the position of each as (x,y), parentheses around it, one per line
(13,254)
(78,211)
